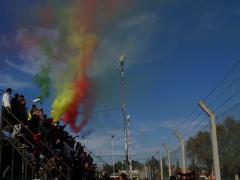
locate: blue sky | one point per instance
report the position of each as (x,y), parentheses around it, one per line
(176,53)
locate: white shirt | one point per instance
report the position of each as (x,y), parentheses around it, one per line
(15,132)
(6,100)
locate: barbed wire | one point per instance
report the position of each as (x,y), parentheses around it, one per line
(215,110)
(221,80)
(204,100)
(224,91)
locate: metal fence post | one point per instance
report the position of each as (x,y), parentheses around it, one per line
(149,171)
(160,165)
(145,174)
(183,151)
(213,139)
(169,161)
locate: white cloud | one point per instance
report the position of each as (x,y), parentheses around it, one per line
(8,81)
(189,128)
(24,67)
(144,127)
(131,35)
(144,21)
(140,148)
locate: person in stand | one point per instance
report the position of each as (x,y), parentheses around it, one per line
(173,178)
(104,176)
(7,105)
(25,132)
(32,111)
(21,97)
(37,142)
(73,141)
(57,146)
(55,134)
(48,121)
(77,167)
(16,130)
(123,176)
(22,112)
(79,148)
(87,172)
(41,119)
(36,139)
(35,119)
(14,105)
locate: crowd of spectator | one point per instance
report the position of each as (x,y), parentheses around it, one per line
(43,136)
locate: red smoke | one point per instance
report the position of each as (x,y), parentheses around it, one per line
(84,99)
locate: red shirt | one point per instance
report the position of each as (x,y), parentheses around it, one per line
(36,139)
(49,121)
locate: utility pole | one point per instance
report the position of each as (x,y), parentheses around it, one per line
(130,157)
(99,163)
(113,156)
(122,59)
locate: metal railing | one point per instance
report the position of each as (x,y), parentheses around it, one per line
(2,118)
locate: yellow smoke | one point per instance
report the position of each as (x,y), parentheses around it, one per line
(84,43)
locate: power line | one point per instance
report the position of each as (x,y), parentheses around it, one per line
(98,111)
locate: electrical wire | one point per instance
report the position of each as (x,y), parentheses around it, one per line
(98,111)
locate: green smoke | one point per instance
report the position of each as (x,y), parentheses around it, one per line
(47,49)
(43,81)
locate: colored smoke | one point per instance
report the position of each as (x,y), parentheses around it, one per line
(62,46)
(42,80)
(85,133)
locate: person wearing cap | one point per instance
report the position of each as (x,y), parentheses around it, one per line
(6,103)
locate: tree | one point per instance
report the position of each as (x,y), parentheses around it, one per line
(136,165)
(164,164)
(228,134)
(199,149)
(118,166)
(107,168)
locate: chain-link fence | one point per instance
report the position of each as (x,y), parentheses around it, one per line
(198,150)
(228,133)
